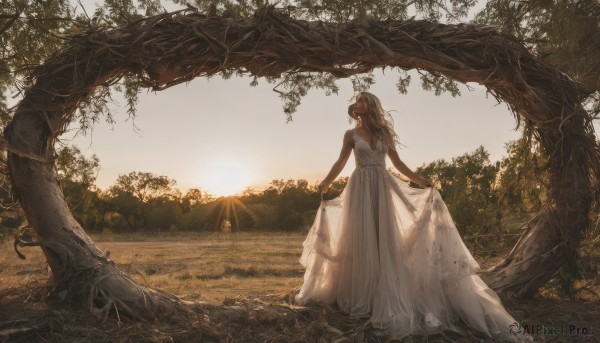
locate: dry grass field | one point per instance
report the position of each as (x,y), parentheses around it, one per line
(214,267)
(249,277)
(193,266)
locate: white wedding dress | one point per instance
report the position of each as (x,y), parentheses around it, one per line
(391,252)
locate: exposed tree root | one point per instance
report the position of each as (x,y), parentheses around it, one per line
(263,319)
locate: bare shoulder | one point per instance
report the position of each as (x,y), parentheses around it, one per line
(349,137)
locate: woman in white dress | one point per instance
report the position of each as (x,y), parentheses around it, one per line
(391,252)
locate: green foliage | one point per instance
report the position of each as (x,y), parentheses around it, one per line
(77,176)
(125,208)
(162,213)
(563,33)
(490,202)
(340,11)
(293,199)
(296,85)
(467,185)
(138,195)
(403,82)
(284,206)
(363,82)
(194,197)
(32,30)
(143,186)
(523,178)
(437,83)
(345,10)
(264,216)
(195,219)
(74,168)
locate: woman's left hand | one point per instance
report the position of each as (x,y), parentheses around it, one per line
(323,187)
(425,183)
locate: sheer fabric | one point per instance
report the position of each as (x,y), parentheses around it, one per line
(391,252)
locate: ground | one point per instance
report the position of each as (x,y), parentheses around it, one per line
(241,288)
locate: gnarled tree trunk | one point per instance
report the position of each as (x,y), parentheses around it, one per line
(173,48)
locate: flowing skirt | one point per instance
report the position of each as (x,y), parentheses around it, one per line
(391,252)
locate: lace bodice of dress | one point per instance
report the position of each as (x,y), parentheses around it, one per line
(367,156)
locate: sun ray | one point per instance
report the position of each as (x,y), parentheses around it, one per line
(228,208)
(245,208)
(222,208)
(235,215)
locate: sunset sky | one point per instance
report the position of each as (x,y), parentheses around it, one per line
(223,135)
(219,131)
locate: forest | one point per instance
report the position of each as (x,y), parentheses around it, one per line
(486,198)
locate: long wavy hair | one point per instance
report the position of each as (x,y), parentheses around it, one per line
(379,121)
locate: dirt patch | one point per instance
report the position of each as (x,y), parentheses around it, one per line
(27,317)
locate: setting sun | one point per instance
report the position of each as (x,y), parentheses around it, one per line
(225,176)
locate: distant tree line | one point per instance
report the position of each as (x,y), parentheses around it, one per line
(486,199)
(141,201)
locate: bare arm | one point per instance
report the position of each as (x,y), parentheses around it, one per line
(402,168)
(337,167)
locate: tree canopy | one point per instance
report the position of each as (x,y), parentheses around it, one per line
(564,33)
(27,25)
